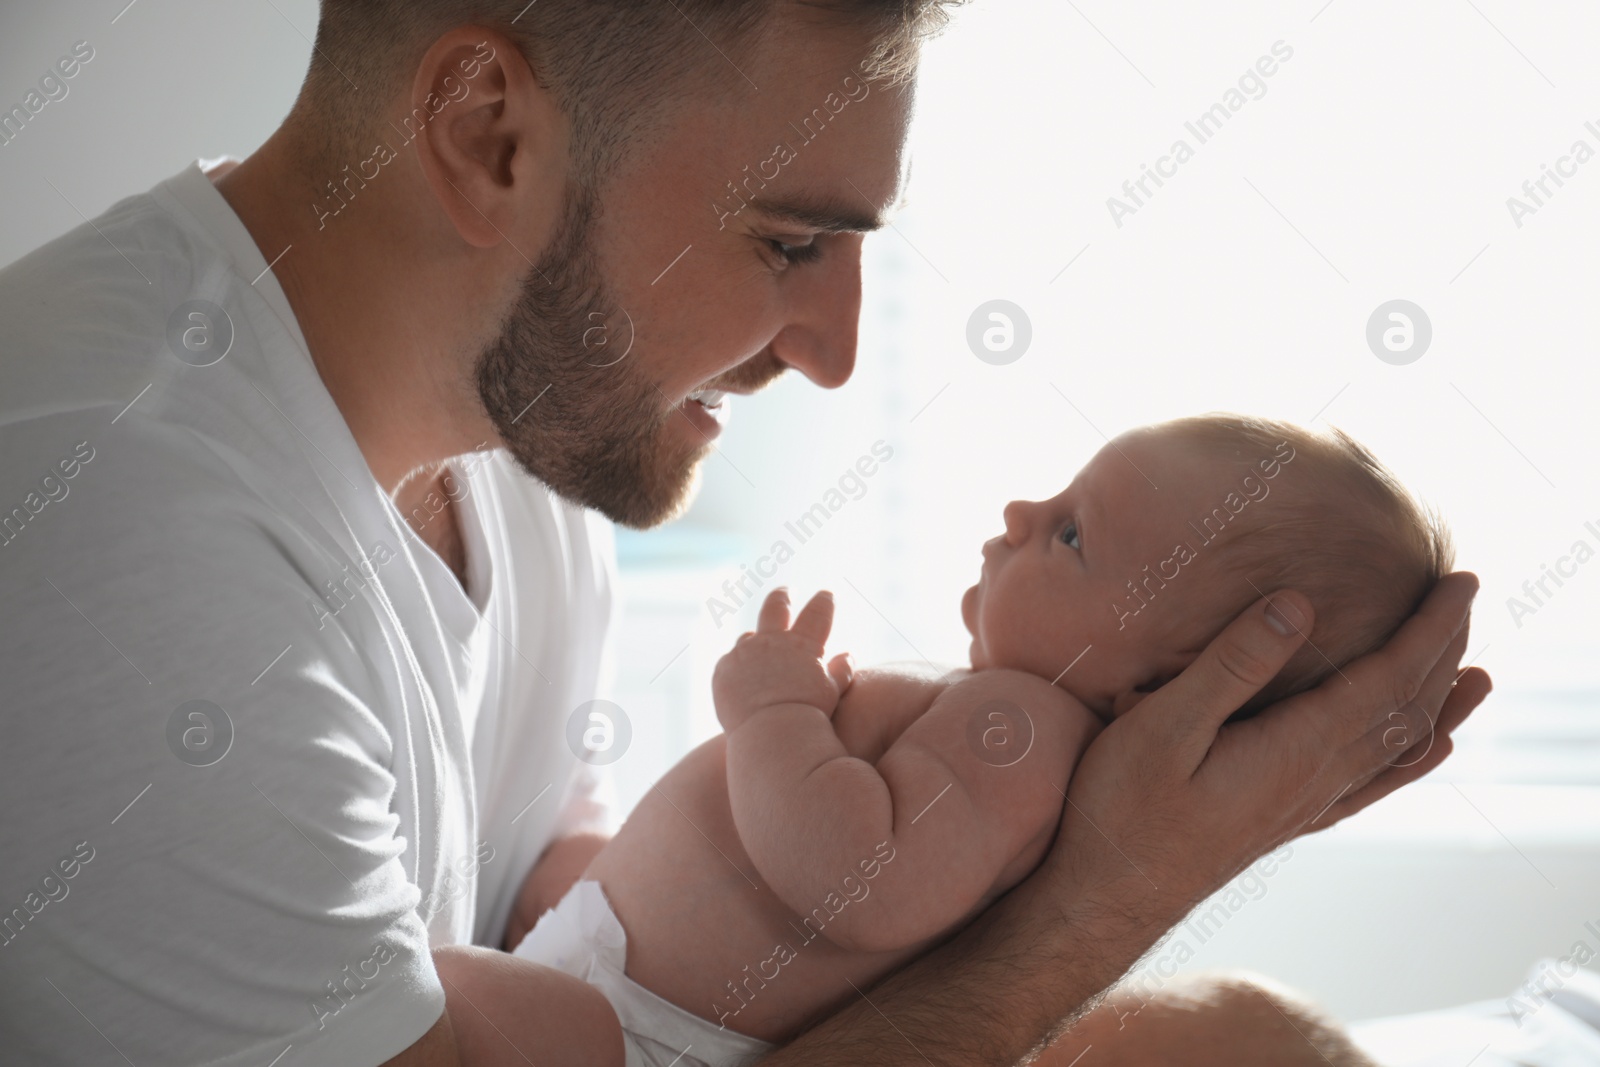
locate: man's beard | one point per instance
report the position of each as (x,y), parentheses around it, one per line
(572,408)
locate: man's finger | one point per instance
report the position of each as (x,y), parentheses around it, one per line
(774,617)
(1381,786)
(1378,714)
(1402,739)
(1470,690)
(1426,735)
(1406,734)
(1232,669)
(1395,675)
(816,619)
(1472,686)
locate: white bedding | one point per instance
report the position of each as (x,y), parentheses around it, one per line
(1552,1021)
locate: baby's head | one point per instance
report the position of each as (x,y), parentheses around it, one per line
(1116,585)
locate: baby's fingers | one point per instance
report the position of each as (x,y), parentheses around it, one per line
(842,670)
(774,617)
(816,619)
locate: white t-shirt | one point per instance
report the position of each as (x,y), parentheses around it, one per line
(261,750)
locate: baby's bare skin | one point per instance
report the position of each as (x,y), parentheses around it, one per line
(863,801)
(699,915)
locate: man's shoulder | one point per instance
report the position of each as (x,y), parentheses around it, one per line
(145,528)
(131,248)
(142,421)
(91,315)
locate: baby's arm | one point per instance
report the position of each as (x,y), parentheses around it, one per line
(964,821)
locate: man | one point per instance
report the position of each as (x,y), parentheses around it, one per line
(290,685)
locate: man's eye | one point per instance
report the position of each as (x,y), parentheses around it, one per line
(792,255)
(1069,536)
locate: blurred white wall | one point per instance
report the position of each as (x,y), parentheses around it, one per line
(171,81)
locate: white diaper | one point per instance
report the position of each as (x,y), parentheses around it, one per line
(582,937)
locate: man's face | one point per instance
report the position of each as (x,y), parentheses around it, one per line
(721,255)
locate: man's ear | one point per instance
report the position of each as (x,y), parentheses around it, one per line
(491,141)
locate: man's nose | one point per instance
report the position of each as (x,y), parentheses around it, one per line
(819,339)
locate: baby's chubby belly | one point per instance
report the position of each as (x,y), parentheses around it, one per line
(704,931)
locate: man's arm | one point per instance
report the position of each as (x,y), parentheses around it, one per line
(558,868)
(1166,806)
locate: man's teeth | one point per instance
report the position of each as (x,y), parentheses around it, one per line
(708,398)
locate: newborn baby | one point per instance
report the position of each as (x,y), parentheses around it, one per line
(843,822)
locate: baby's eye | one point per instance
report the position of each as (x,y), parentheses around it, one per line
(1069,536)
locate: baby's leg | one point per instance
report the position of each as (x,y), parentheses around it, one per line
(1221,1019)
(548,1016)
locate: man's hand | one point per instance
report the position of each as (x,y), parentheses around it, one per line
(1169,803)
(779,665)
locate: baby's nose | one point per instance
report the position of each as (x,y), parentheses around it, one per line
(1016,519)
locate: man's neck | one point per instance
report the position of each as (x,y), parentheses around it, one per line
(439,529)
(385,316)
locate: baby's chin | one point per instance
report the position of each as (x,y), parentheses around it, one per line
(969,603)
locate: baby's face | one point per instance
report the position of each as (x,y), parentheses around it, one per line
(1054,589)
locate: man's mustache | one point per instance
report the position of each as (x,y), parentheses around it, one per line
(752,375)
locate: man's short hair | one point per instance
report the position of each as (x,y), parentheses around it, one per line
(615,65)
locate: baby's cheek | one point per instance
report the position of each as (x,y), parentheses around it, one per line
(1018,636)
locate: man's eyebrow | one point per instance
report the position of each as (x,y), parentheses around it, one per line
(820,213)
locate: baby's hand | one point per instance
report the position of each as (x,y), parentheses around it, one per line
(780,665)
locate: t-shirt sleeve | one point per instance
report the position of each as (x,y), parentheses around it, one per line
(202,857)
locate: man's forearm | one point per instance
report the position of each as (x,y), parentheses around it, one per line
(555,872)
(1003,987)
